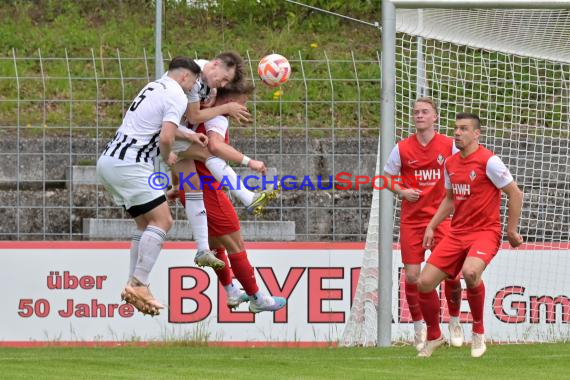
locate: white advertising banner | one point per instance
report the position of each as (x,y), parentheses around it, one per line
(70,291)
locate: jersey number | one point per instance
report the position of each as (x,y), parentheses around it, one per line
(140,98)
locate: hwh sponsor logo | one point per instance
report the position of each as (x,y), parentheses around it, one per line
(428,174)
(461,189)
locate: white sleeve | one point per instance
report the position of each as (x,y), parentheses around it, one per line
(194,94)
(454,148)
(218,124)
(174,108)
(498,172)
(447,181)
(394,164)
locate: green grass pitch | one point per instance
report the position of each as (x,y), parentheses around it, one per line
(536,361)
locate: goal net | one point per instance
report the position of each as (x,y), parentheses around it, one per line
(512,68)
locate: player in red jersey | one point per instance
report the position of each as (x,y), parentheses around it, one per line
(474,179)
(419,160)
(223,223)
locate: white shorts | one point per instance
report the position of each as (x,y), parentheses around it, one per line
(128,183)
(180,146)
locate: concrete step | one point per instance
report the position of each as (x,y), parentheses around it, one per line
(87,175)
(122,229)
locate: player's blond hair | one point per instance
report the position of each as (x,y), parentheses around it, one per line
(428,100)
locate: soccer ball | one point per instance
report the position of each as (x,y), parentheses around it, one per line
(274,70)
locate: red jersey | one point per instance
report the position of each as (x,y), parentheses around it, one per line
(476,181)
(422,168)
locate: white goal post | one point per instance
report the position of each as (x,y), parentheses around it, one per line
(508,61)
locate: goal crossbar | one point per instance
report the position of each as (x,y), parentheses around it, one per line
(480,4)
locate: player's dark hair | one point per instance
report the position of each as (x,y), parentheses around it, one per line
(184,63)
(231,59)
(469,116)
(235,89)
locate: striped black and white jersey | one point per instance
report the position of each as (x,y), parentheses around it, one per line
(137,139)
(200,91)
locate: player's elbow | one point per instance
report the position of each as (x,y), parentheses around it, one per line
(193,119)
(516,193)
(193,116)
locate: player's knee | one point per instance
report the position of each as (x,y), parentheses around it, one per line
(412,277)
(424,286)
(166,223)
(470,275)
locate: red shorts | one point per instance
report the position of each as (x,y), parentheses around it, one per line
(411,239)
(222,217)
(451,253)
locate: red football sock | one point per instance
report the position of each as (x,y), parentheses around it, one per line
(429,303)
(225,274)
(453,296)
(413,301)
(244,272)
(476,298)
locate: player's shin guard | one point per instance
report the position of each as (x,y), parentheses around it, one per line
(412,296)
(149,248)
(429,303)
(453,296)
(224,274)
(244,272)
(476,298)
(134,256)
(196,214)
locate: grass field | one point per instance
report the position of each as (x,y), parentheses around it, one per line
(541,361)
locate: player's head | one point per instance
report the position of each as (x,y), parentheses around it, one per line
(226,68)
(467,130)
(185,71)
(425,113)
(237,92)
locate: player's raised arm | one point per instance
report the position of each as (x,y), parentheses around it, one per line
(196,115)
(514,206)
(219,148)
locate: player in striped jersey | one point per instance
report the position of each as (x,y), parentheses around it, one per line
(127,162)
(419,160)
(474,179)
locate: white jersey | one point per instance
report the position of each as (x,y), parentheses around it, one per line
(137,139)
(200,91)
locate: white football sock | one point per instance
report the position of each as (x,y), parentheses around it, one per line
(149,249)
(134,252)
(220,170)
(196,214)
(231,288)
